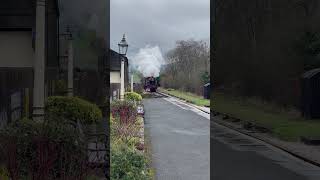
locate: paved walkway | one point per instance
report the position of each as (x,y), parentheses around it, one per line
(180,139)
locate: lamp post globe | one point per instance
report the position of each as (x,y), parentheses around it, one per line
(123,46)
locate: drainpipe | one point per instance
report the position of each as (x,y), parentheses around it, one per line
(39,62)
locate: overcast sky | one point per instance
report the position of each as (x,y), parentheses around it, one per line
(158,22)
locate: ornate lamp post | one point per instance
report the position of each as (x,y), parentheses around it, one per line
(70,62)
(123,47)
(39,62)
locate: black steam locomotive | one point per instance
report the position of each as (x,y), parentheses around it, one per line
(150,84)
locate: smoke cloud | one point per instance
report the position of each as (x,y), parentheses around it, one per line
(148,61)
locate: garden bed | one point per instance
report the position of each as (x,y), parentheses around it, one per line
(128,158)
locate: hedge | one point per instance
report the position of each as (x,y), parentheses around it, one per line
(25,141)
(133,96)
(73,108)
(128,164)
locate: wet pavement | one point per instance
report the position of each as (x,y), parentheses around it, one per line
(180,147)
(179,138)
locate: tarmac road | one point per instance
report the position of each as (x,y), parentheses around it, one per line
(179,138)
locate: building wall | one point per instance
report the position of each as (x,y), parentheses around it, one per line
(16,49)
(115,81)
(17,22)
(115,77)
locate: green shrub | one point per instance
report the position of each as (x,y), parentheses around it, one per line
(126,133)
(60,87)
(128,164)
(4,174)
(73,108)
(133,96)
(16,143)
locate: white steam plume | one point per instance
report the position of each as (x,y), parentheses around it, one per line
(148,61)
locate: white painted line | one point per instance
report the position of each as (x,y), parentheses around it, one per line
(174,103)
(177,102)
(205,109)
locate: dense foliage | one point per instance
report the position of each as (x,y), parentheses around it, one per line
(73,108)
(261,48)
(308,47)
(133,96)
(4,174)
(128,164)
(53,148)
(60,87)
(44,150)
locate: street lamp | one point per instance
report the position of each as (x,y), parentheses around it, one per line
(70,62)
(123,47)
(39,66)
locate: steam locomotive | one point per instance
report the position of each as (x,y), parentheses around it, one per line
(151,84)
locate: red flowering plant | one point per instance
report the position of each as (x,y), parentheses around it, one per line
(124,124)
(124,111)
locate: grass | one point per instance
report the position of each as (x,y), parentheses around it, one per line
(148,151)
(130,146)
(282,122)
(189,97)
(146,96)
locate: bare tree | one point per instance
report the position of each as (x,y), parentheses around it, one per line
(187,64)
